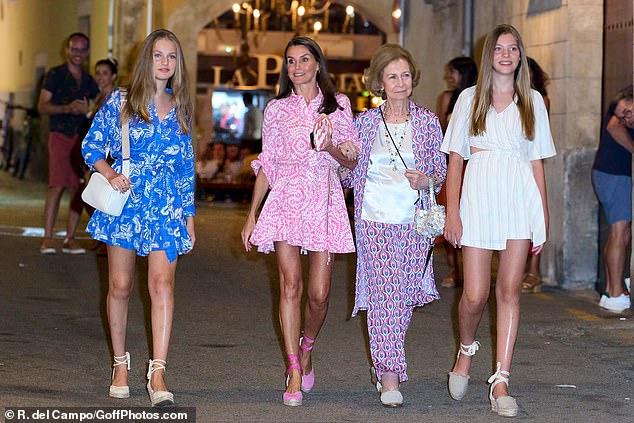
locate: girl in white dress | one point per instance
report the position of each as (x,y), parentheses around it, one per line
(500,126)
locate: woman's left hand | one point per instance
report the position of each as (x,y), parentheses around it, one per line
(417,179)
(189,223)
(536,250)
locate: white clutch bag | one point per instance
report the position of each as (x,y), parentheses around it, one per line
(100,194)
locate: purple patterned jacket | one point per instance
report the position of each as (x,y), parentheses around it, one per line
(426,140)
(417,289)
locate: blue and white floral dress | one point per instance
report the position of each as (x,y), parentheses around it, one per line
(162,180)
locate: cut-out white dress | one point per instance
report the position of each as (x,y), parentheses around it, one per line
(500,199)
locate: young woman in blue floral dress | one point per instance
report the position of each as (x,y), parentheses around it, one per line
(158,218)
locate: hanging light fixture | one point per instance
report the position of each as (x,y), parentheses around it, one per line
(303,14)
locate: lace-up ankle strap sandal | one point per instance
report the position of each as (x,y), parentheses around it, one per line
(292,399)
(120,391)
(504,406)
(158,398)
(458,384)
(308,380)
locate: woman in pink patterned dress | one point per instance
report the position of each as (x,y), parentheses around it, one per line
(305,212)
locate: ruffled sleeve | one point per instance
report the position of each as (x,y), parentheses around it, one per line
(343,128)
(457,136)
(542,145)
(267,160)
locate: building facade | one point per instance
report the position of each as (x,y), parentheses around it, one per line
(584,45)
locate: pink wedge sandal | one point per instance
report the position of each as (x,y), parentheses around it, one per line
(295,398)
(308,380)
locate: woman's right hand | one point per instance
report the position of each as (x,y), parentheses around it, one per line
(247,229)
(119,182)
(453,229)
(349,150)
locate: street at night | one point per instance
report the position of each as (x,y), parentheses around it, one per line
(573,362)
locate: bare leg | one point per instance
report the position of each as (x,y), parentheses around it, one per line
(319,281)
(389,381)
(452,261)
(161,288)
(614,253)
(290,269)
(507,291)
(51,207)
(120,283)
(74,212)
(533,264)
(477,283)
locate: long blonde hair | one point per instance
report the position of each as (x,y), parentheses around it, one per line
(522,85)
(143,85)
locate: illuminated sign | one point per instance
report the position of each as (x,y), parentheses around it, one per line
(267,69)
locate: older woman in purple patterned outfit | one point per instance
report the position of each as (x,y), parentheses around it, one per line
(392,277)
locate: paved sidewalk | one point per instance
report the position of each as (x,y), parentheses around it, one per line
(573,362)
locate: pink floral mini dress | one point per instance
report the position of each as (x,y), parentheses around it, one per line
(305,206)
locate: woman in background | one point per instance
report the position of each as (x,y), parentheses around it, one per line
(532,281)
(106,76)
(460,73)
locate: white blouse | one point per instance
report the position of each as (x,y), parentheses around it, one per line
(503,130)
(388,197)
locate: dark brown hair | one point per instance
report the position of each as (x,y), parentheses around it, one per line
(327,87)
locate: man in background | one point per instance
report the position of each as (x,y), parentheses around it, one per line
(65,96)
(612,180)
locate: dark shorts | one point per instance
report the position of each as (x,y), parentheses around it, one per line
(65,163)
(615,195)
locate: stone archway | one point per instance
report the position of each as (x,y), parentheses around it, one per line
(194,15)
(189,19)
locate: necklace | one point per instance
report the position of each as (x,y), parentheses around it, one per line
(399,130)
(402,136)
(396,117)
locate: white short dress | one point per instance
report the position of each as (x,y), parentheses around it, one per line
(500,198)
